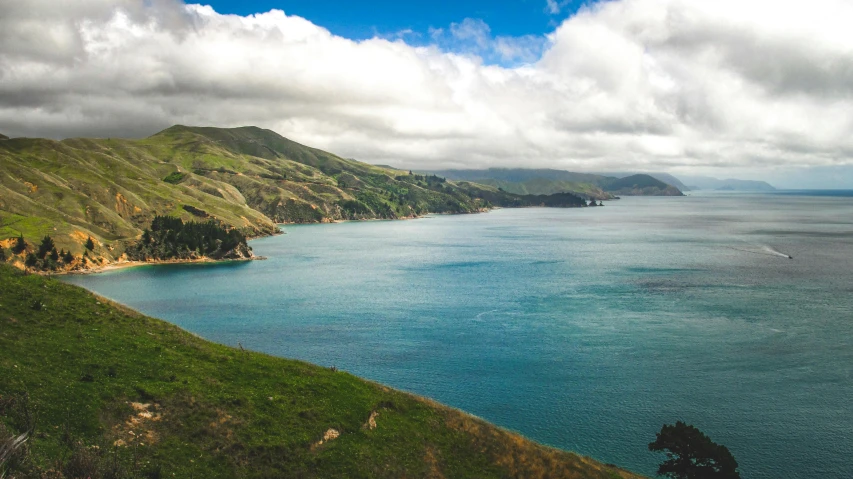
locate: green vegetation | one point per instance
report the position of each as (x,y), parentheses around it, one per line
(545,186)
(171,238)
(546,181)
(692,455)
(641,185)
(46,247)
(44,258)
(107,393)
(20,245)
(175,177)
(246,178)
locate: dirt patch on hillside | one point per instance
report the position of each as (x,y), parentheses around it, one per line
(137,429)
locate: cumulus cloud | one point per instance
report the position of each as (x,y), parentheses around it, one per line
(623,84)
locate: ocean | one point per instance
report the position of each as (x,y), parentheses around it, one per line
(585,329)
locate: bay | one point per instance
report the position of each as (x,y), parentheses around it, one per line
(584,329)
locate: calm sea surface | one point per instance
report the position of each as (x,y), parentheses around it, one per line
(584,329)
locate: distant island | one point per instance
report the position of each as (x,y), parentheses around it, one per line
(105,193)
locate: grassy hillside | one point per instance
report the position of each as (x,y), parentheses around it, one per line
(524,181)
(106,189)
(548,181)
(247,178)
(520,175)
(545,186)
(640,185)
(670,180)
(664,177)
(108,393)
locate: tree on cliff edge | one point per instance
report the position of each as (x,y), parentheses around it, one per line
(690,454)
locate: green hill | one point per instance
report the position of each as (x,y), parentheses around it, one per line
(3,137)
(247,178)
(548,181)
(109,393)
(545,186)
(519,175)
(670,180)
(641,185)
(664,177)
(543,181)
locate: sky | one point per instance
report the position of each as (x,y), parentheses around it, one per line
(753,89)
(363,19)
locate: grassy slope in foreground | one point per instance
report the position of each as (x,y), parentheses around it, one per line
(98,374)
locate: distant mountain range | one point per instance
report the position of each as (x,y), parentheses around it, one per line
(692,183)
(599,186)
(549,181)
(708,183)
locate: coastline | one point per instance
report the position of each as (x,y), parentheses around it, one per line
(134,264)
(119,265)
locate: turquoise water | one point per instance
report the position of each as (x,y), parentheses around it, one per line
(585,329)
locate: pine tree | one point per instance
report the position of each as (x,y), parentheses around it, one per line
(45,247)
(54,255)
(2,254)
(90,244)
(20,245)
(31,260)
(692,455)
(67,258)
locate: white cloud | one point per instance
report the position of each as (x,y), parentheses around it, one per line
(473,37)
(756,85)
(472,30)
(554,7)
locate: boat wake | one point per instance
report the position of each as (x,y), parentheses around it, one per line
(777,253)
(765,250)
